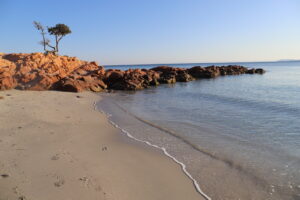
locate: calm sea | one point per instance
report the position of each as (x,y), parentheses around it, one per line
(239,136)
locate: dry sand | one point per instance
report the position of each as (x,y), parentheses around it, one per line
(54,145)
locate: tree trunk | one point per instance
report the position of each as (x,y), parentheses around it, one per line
(56,46)
(44,42)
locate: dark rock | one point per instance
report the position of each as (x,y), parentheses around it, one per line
(4,175)
(260,71)
(167,79)
(250,71)
(183,76)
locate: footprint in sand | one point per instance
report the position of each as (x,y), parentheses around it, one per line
(60,182)
(90,183)
(22,198)
(104,148)
(85,180)
(17,192)
(55,157)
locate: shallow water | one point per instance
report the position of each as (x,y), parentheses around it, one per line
(239,136)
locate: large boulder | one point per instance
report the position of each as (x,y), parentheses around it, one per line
(232,70)
(170,75)
(260,71)
(207,72)
(132,79)
(250,71)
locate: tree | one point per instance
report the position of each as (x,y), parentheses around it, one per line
(59,31)
(45,42)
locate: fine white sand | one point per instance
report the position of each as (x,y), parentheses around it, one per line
(54,145)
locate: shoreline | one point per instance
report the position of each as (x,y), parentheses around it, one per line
(136,115)
(55,145)
(166,153)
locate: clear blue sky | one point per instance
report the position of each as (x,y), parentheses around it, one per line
(158,31)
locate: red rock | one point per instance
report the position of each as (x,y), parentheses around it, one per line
(25,70)
(7,83)
(38,71)
(70,85)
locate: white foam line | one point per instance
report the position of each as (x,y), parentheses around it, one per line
(183,166)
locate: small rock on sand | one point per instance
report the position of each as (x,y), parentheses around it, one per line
(4,175)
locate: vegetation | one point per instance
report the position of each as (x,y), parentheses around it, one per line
(45,42)
(59,31)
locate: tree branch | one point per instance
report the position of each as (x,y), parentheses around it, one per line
(51,46)
(60,38)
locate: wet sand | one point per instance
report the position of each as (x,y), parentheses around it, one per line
(54,145)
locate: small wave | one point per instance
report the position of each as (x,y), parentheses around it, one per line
(183,166)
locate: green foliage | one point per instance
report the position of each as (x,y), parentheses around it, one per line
(59,30)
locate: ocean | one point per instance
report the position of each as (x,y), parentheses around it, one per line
(238,137)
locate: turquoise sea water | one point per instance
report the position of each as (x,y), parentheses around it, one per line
(239,136)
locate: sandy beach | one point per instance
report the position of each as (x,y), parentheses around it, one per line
(54,145)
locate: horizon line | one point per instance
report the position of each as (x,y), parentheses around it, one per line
(269,61)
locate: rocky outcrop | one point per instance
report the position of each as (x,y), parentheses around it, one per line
(132,79)
(255,71)
(87,77)
(172,74)
(38,71)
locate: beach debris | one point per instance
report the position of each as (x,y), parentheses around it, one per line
(4,175)
(79,96)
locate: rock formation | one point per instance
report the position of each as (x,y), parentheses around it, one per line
(38,71)
(44,72)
